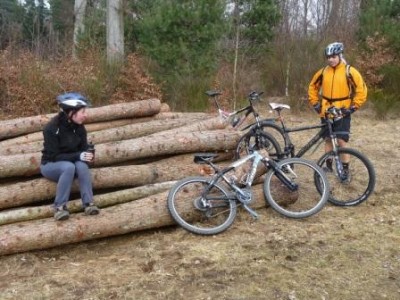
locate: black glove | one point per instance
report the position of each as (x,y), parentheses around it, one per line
(353,109)
(348,111)
(317,108)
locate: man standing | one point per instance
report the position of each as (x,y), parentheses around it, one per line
(341,85)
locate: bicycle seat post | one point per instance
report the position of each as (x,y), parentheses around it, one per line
(214,95)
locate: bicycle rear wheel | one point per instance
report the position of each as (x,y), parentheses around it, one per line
(358,187)
(257,140)
(207,215)
(305,199)
(276,131)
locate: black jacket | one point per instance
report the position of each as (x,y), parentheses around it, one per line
(63,140)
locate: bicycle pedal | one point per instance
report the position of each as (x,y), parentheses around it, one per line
(251,212)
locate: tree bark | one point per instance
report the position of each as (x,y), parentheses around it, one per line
(79,26)
(165,107)
(115,32)
(163,143)
(104,200)
(146,213)
(107,135)
(168,143)
(40,189)
(15,127)
(38,136)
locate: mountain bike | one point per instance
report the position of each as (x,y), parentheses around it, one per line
(345,191)
(255,137)
(207,205)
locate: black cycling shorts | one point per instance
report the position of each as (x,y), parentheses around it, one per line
(341,128)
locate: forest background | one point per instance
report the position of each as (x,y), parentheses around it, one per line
(175,50)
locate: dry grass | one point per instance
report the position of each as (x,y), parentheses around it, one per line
(350,253)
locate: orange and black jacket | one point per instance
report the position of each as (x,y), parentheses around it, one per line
(335,88)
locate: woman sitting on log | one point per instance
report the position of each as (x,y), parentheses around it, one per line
(65,155)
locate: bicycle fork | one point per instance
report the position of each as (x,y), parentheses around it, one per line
(338,161)
(280,174)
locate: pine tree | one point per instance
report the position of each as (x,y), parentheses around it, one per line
(10,13)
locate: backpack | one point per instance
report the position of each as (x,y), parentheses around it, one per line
(350,82)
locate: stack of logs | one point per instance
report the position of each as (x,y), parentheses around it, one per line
(142,148)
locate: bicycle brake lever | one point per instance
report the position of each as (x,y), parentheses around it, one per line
(254,96)
(335,119)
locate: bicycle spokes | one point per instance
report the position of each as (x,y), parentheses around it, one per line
(351,184)
(291,188)
(201,208)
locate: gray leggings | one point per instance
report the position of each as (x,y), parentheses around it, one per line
(64,173)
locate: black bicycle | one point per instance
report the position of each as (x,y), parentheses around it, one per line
(346,189)
(255,138)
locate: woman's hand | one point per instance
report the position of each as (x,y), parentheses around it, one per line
(86,156)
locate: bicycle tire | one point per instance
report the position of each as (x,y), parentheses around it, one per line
(362,182)
(257,140)
(304,202)
(186,209)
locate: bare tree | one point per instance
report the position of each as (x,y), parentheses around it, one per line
(236,19)
(115,31)
(79,14)
(306,27)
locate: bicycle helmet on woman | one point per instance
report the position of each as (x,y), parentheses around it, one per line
(334,49)
(72,102)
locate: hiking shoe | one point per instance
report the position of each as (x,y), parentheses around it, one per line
(346,176)
(61,214)
(328,168)
(91,210)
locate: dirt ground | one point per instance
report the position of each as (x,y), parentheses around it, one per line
(340,253)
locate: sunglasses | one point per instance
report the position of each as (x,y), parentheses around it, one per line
(331,56)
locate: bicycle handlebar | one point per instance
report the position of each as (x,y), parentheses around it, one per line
(255,95)
(335,113)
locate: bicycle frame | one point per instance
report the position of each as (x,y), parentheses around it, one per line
(242,193)
(231,115)
(314,140)
(324,128)
(256,158)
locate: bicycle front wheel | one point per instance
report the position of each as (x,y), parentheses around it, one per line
(360,182)
(257,140)
(201,213)
(291,190)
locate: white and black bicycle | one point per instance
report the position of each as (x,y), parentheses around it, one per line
(208,205)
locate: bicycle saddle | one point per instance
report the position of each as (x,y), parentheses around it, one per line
(213,93)
(202,158)
(278,106)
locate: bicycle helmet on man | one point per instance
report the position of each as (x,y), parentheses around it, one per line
(334,49)
(72,102)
